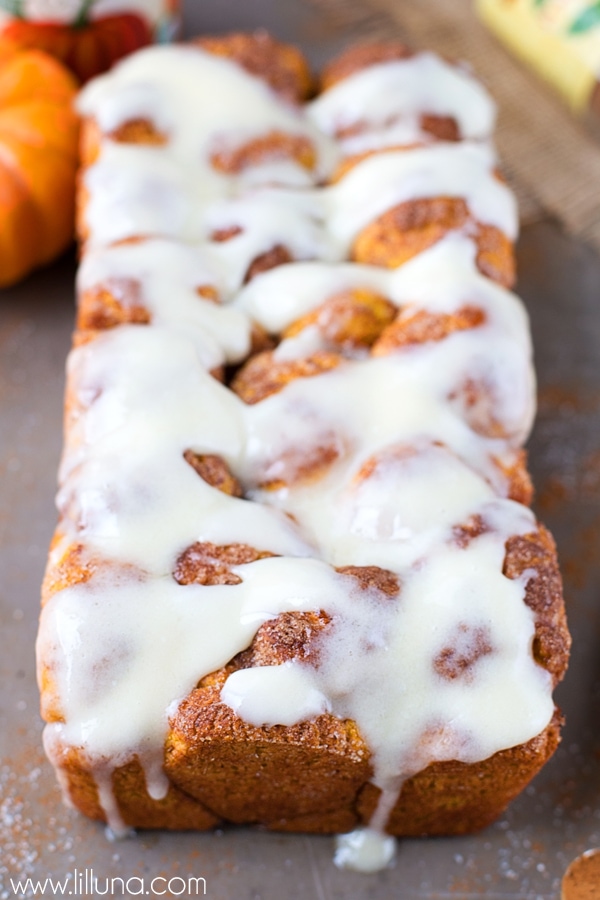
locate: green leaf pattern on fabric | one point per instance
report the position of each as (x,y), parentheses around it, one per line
(586,20)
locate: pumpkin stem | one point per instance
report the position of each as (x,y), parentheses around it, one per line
(82,18)
(14,7)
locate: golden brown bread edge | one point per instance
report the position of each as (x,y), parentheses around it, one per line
(313,776)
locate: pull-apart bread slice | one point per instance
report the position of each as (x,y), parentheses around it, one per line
(296,580)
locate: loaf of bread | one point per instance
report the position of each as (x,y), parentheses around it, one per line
(296,581)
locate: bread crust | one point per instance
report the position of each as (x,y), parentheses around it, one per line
(314,776)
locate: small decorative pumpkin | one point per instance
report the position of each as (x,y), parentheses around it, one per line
(85,45)
(38,160)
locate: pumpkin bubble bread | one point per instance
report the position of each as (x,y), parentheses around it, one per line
(38,160)
(296,581)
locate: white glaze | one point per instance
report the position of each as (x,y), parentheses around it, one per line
(385,180)
(166,275)
(383,104)
(142,395)
(364,850)
(174,191)
(143,191)
(200,101)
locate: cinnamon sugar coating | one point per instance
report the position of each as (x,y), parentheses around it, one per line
(263,375)
(214,470)
(221,235)
(205,563)
(134,131)
(116,302)
(466,647)
(520,486)
(350,162)
(293,635)
(465,533)
(271,147)
(301,465)
(351,319)
(423,326)
(138,131)
(411,227)
(536,553)
(441,128)
(360,56)
(281,65)
(373,577)
(260,340)
(276,256)
(76,564)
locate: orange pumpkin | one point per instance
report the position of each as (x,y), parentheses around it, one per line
(38,160)
(88,46)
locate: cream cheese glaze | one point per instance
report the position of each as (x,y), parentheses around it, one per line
(383,104)
(144,191)
(167,275)
(407,465)
(200,102)
(172,190)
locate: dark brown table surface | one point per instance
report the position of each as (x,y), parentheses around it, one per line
(525,854)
